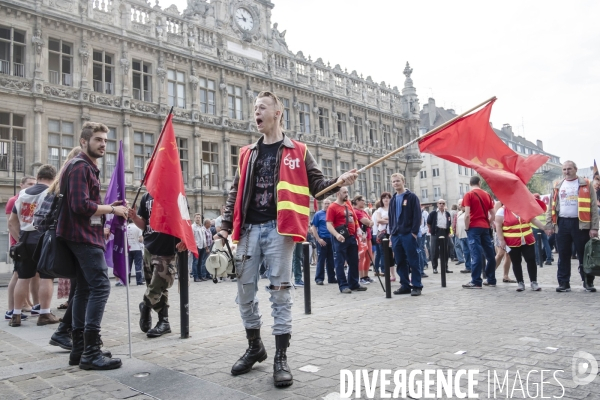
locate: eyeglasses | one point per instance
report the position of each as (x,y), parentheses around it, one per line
(441,203)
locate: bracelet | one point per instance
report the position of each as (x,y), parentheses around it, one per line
(113,210)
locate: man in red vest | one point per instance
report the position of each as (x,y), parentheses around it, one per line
(266,213)
(573,213)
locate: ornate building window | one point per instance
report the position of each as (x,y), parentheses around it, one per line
(143,144)
(327,166)
(208,96)
(358,130)
(304,115)
(142,80)
(387,138)
(210,164)
(377,180)
(235,157)
(373,135)
(341,126)
(103,71)
(60,141)
(12,51)
(286,113)
(362,181)
(12,129)
(182,145)
(388,180)
(324,121)
(176,81)
(60,62)
(344,167)
(234,101)
(107,164)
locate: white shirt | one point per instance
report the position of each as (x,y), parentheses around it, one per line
(133,237)
(441,219)
(199,235)
(567,197)
(218,222)
(381,214)
(460,225)
(424,228)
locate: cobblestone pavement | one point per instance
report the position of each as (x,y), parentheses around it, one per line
(498,329)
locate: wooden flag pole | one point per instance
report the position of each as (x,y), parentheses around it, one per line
(399,149)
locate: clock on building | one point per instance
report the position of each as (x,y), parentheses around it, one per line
(244,19)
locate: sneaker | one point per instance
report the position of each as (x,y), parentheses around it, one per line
(465,271)
(119,284)
(460,262)
(589,287)
(435,271)
(535,287)
(47,319)
(8,316)
(346,290)
(471,285)
(360,289)
(402,290)
(299,283)
(485,283)
(35,310)
(363,281)
(520,286)
(563,287)
(320,283)
(548,263)
(369,279)
(424,275)
(416,292)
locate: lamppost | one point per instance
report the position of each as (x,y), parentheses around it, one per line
(14,165)
(202,189)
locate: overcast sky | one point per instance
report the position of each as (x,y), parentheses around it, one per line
(540,58)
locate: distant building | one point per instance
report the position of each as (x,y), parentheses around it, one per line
(439,178)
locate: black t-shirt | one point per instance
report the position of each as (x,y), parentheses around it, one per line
(158,244)
(262,202)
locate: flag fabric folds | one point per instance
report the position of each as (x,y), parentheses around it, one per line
(164,182)
(595,170)
(114,252)
(471,142)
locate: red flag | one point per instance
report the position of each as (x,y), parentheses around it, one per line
(595,170)
(315,205)
(471,142)
(165,184)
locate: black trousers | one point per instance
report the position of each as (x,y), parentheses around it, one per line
(568,235)
(436,251)
(528,253)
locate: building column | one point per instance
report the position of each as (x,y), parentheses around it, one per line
(127,149)
(37,134)
(227,179)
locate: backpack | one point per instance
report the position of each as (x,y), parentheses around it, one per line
(591,257)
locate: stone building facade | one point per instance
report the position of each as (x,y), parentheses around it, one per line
(439,178)
(126,62)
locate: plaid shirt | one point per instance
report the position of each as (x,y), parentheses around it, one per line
(83,198)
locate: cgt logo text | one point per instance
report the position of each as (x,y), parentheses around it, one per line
(461,383)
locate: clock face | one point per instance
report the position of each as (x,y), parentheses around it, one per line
(244,19)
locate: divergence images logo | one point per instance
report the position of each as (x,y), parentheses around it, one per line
(585,368)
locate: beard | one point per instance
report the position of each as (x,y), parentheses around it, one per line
(95,153)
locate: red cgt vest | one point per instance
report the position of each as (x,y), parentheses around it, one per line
(292,193)
(515,229)
(583,203)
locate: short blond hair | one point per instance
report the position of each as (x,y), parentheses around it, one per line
(277,102)
(398,175)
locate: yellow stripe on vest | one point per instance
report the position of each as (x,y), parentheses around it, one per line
(293,188)
(584,200)
(518,234)
(288,205)
(523,226)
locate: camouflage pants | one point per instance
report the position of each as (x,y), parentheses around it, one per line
(159,272)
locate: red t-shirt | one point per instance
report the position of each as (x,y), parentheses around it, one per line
(360,214)
(478,218)
(9,206)
(336,214)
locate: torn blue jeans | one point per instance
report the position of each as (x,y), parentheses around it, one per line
(260,242)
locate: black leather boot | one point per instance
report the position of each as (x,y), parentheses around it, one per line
(77,346)
(282,375)
(145,317)
(62,337)
(256,352)
(162,326)
(92,357)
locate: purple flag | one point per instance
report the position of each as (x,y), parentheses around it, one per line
(115,246)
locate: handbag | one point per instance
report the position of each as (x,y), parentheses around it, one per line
(485,212)
(18,252)
(343,229)
(382,234)
(53,256)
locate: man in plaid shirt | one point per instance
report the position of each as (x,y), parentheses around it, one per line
(81,225)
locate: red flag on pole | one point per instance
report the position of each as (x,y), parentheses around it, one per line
(165,184)
(471,142)
(595,170)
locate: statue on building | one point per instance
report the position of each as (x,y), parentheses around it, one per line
(38,44)
(197,8)
(124,63)
(84,53)
(279,37)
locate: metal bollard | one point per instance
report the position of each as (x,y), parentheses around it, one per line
(184,293)
(306,272)
(443,261)
(540,247)
(385,245)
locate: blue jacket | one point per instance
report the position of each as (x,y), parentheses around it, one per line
(410,219)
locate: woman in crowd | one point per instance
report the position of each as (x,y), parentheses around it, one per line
(365,254)
(516,233)
(501,253)
(381,218)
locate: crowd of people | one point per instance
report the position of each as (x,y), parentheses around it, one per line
(267,216)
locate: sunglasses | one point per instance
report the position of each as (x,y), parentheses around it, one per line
(441,203)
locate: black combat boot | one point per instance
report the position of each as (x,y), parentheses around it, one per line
(256,352)
(92,357)
(145,317)
(162,326)
(62,337)
(282,376)
(77,346)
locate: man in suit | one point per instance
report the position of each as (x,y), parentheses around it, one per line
(439,223)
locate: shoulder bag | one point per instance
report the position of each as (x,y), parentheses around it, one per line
(343,229)
(485,212)
(52,254)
